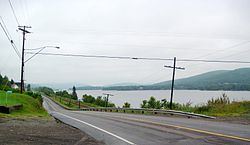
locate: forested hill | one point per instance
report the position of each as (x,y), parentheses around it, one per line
(238,79)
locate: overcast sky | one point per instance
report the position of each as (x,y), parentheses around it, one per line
(190,29)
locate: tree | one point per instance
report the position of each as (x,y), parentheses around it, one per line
(28,88)
(152,102)
(1,79)
(126,105)
(144,104)
(164,104)
(47,91)
(158,105)
(5,81)
(100,102)
(12,82)
(88,98)
(74,95)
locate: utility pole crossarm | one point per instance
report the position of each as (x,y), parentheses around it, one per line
(24,30)
(175,67)
(108,94)
(180,68)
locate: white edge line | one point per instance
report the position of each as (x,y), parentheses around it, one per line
(97,128)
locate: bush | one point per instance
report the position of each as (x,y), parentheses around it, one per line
(98,101)
(47,91)
(37,96)
(88,98)
(126,105)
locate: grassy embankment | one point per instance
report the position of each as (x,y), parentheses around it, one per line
(32,107)
(71,103)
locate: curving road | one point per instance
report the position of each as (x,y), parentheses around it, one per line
(119,128)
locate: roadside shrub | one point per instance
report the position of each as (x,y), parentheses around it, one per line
(37,96)
(144,104)
(126,105)
(224,99)
(201,109)
(47,91)
(88,98)
(100,101)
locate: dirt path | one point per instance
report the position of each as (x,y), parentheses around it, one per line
(41,132)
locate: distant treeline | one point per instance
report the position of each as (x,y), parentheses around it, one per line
(232,87)
(235,80)
(5,84)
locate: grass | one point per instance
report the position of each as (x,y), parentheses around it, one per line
(72,103)
(220,107)
(233,109)
(6,99)
(31,107)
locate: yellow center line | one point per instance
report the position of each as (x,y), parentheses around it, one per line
(187,128)
(180,127)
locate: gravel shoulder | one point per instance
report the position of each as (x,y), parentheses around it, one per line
(40,132)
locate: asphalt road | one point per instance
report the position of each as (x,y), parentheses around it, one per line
(119,128)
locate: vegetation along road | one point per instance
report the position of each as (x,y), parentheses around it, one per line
(119,128)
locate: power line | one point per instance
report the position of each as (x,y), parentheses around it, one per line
(5,27)
(9,38)
(140,58)
(99,56)
(224,49)
(14,12)
(213,61)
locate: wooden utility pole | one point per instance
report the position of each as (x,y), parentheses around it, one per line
(107,98)
(172,87)
(23,29)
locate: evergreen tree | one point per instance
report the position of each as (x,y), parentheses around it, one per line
(28,88)
(74,95)
(1,79)
(12,82)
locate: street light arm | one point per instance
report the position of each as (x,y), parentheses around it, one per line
(41,49)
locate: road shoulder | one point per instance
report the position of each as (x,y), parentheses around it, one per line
(37,131)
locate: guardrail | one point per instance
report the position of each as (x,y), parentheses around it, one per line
(153,111)
(139,110)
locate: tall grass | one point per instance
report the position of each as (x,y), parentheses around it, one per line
(222,106)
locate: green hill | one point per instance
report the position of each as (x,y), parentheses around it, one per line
(238,79)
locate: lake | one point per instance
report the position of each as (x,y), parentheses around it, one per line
(135,98)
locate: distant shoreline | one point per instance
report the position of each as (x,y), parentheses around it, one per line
(157,90)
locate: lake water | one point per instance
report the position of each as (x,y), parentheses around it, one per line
(135,98)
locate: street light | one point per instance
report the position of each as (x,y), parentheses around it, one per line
(40,49)
(22,69)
